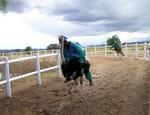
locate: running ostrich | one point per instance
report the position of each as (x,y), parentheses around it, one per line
(118,50)
(115,44)
(74,63)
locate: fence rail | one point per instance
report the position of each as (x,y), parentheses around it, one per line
(130,50)
(13,55)
(7,79)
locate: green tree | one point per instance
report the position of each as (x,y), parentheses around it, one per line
(28,49)
(3,5)
(114,42)
(52,46)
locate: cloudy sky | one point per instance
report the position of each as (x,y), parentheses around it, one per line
(37,23)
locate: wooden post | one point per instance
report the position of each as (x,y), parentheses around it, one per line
(95,52)
(21,54)
(149,52)
(58,61)
(3,55)
(86,53)
(145,45)
(31,53)
(105,50)
(38,75)
(12,55)
(52,51)
(136,50)
(38,51)
(7,77)
(126,50)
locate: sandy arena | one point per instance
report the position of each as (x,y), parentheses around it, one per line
(121,87)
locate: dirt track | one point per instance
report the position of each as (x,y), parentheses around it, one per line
(120,88)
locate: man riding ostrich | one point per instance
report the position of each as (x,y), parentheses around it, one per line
(74,63)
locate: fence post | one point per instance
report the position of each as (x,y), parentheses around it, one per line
(95,52)
(7,77)
(126,50)
(105,50)
(86,52)
(38,75)
(38,51)
(21,54)
(12,55)
(145,46)
(136,50)
(31,53)
(58,61)
(148,45)
(52,51)
(149,53)
(45,51)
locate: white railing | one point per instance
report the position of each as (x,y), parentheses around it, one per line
(7,79)
(130,50)
(13,55)
(135,49)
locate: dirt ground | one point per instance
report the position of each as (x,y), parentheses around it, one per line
(121,87)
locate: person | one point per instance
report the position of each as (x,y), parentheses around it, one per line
(73,58)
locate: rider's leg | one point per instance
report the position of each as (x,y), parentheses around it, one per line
(87,72)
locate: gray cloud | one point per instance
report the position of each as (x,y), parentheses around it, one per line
(121,15)
(87,17)
(92,16)
(17,6)
(85,10)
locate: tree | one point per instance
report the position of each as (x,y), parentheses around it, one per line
(28,49)
(114,41)
(52,46)
(3,5)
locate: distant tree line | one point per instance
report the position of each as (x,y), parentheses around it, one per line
(49,47)
(52,46)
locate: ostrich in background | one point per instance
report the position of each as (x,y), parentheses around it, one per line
(115,44)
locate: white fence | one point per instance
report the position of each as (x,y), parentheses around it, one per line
(130,50)
(7,79)
(14,55)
